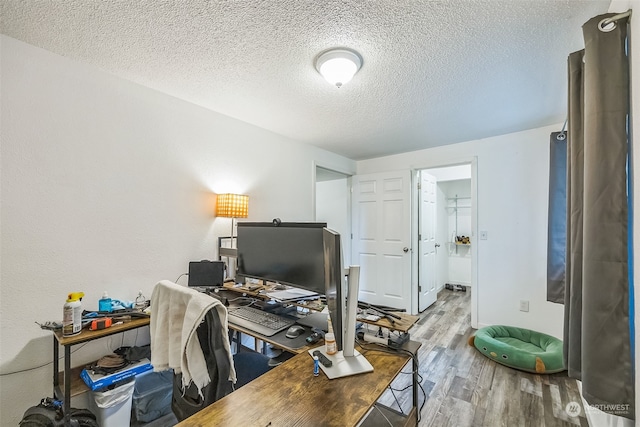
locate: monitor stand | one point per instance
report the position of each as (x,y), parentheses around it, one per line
(348,361)
(344,366)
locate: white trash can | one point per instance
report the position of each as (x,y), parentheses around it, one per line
(112,407)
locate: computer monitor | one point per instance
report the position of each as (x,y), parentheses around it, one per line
(290,253)
(206,273)
(342,302)
(308,256)
(334,276)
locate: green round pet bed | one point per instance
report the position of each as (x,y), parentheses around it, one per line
(520,348)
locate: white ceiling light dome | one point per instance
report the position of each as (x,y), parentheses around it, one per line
(338,66)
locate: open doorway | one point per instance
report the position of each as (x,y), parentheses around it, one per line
(446,233)
(332,205)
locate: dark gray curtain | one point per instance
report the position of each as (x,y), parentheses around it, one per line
(597,344)
(557,227)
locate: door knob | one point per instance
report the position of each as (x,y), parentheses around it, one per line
(405,249)
(437,245)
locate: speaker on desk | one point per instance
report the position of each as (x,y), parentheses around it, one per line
(206,273)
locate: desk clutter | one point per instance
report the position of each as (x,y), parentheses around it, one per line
(143,395)
(116,383)
(49,413)
(271,317)
(278,293)
(112,370)
(110,312)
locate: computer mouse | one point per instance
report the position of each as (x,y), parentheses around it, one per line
(295,331)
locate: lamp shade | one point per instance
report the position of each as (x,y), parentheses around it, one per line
(338,66)
(232,205)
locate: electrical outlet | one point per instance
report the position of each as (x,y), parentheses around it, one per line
(483,235)
(524,305)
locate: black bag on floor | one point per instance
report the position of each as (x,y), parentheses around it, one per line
(49,414)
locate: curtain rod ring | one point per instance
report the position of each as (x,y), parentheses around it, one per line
(562,135)
(607,25)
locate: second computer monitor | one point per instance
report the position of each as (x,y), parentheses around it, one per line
(206,274)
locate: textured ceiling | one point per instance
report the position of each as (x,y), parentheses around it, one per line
(434,72)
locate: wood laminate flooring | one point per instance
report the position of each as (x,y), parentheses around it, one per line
(464,388)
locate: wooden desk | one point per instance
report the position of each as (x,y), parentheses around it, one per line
(260,292)
(403,324)
(294,346)
(67,343)
(290,395)
(277,344)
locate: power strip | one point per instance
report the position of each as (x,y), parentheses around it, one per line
(397,341)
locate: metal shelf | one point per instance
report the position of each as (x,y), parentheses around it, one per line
(455,210)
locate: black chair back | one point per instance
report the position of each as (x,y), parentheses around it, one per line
(187,402)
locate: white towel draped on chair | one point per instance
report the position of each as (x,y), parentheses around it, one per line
(176,313)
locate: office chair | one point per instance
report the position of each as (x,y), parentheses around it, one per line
(249,365)
(212,334)
(187,402)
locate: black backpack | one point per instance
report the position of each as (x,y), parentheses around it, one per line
(49,414)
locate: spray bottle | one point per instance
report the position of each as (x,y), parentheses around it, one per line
(72,314)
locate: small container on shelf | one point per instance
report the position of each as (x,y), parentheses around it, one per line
(463,240)
(104,303)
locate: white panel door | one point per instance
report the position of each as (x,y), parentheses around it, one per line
(382,236)
(427,292)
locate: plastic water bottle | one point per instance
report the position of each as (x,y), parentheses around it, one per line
(104,303)
(141,302)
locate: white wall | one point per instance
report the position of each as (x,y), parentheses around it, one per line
(512,180)
(108,185)
(458,224)
(451,173)
(442,237)
(458,213)
(444,176)
(332,207)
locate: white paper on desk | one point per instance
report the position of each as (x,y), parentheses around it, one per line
(291,294)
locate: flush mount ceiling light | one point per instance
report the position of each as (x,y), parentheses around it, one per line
(338,66)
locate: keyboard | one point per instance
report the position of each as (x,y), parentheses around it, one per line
(203,289)
(259,321)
